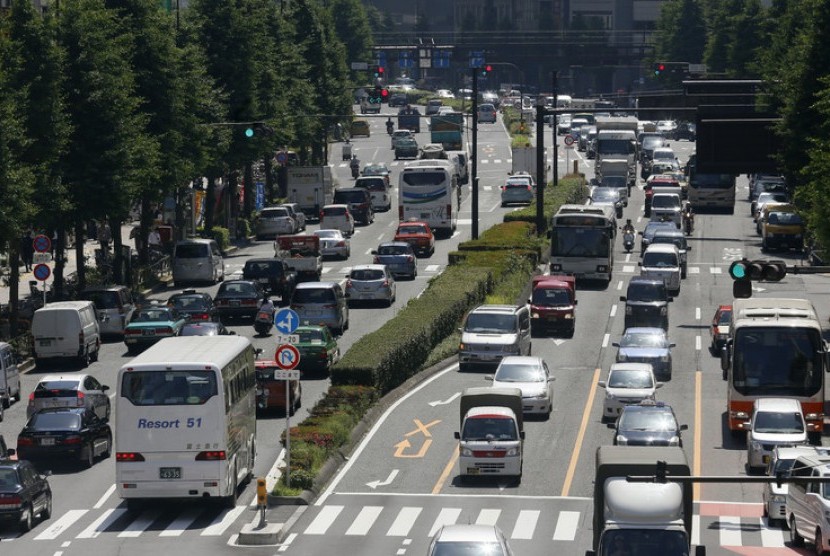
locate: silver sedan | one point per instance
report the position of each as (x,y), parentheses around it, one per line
(334,244)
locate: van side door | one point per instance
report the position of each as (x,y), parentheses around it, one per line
(524,331)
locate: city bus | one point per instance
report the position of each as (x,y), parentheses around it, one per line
(775,349)
(186,420)
(429,192)
(712,191)
(582,241)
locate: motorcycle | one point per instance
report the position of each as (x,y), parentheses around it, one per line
(688,224)
(628,241)
(264,319)
(355,171)
(389,127)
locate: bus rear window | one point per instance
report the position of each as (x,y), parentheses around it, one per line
(168,387)
(420,179)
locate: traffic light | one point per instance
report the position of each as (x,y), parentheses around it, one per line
(486,69)
(384,95)
(376,95)
(659,69)
(258,129)
(744,272)
(377,71)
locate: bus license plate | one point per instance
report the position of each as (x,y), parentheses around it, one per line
(170,473)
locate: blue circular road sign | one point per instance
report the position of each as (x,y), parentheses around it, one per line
(42,272)
(286,321)
(42,243)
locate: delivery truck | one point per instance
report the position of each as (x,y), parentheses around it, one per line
(311,187)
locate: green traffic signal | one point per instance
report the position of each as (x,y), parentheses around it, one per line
(744,272)
(249,132)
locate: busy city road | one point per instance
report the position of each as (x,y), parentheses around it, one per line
(402,482)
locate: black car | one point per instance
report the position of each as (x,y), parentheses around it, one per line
(646,303)
(274,275)
(61,432)
(685,130)
(205,329)
(29,491)
(196,306)
(5,452)
(238,298)
(649,423)
(359,201)
(398,99)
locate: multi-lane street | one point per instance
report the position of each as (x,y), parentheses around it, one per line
(401,483)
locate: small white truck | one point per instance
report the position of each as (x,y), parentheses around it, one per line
(311,187)
(491,440)
(301,253)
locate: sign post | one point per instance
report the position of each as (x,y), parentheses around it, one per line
(42,246)
(287,358)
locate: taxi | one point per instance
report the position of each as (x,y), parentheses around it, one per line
(318,348)
(418,235)
(270,391)
(151,324)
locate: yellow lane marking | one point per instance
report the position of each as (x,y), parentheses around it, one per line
(446,473)
(586,415)
(401,447)
(420,427)
(698,431)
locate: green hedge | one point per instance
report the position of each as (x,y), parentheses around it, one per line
(518,234)
(395,352)
(221,235)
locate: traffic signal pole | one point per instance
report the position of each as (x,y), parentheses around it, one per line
(474,155)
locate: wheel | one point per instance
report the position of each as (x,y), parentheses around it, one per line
(96,354)
(132,350)
(108,449)
(86,358)
(46,512)
(6,402)
(819,543)
(795,538)
(88,456)
(26,520)
(230,500)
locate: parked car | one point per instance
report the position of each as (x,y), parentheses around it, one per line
(418,235)
(370,282)
(150,324)
(73,390)
(239,299)
(60,432)
(334,244)
(399,258)
(530,375)
(195,306)
(21,482)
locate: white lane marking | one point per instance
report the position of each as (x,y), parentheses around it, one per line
(613,311)
(715,270)
(605,340)
(102,523)
(697,313)
(488,517)
(326,270)
(323,520)
(695,530)
(730,530)
(465,221)
(432,268)
(444,402)
(218,525)
(181,523)
(101,501)
(287,542)
(404,522)
(525,524)
(369,251)
(447,516)
(566,526)
(619,285)
(60,525)
(628,257)
(697,343)
(628,268)
(141,524)
(772,537)
(694,270)
(364,520)
(487,188)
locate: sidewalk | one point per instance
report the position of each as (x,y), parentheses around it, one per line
(71,265)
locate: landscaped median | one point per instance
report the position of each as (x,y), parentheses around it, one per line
(494,268)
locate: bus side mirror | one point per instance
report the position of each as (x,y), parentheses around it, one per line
(724,358)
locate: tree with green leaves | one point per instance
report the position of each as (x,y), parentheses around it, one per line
(680,29)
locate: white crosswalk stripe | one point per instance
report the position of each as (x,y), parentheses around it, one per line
(181,523)
(525,525)
(364,521)
(323,520)
(404,522)
(447,516)
(716,270)
(730,531)
(61,525)
(566,526)
(488,517)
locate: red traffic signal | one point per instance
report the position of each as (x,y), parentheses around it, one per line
(384,94)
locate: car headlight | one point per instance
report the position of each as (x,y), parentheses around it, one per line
(621,357)
(664,358)
(568,316)
(466,452)
(621,440)
(534,315)
(461,347)
(755,446)
(675,441)
(512,452)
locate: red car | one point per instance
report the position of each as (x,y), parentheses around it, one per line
(418,235)
(720,327)
(271,392)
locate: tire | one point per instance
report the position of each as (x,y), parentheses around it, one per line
(231,500)
(86,358)
(7,402)
(46,512)
(108,450)
(26,520)
(818,543)
(131,350)
(89,460)
(96,354)
(796,539)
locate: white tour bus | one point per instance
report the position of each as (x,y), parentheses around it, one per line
(429,192)
(186,420)
(582,241)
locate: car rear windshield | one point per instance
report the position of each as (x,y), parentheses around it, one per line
(268,214)
(334,211)
(551,297)
(659,260)
(313,295)
(168,387)
(57,389)
(394,250)
(373,184)
(349,197)
(192,251)
(102,300)
(260,269)
(189,302)
(55,421)
(366,274)
(646,291)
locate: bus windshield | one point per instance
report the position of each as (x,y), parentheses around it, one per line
(777,361)
(168,387)
(580,242)
(712,181)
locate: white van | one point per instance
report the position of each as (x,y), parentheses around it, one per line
(9,375)
(808,504)
(66,329)
(115,307)
(197,260)
(662,261)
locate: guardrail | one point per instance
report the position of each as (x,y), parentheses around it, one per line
(154,273)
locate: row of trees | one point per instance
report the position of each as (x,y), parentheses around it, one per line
(787,45)
(109,104)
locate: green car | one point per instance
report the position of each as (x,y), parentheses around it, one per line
(406,147)
(318,348)
(151,324)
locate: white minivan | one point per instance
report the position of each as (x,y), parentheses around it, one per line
(808,503)
(9,376)
(66,329)
(197,260)
(662,261)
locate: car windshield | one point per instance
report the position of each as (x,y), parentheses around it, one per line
(168,387)
(469,548)
(678,241)
(659,260)
(652,142)
(153,315)
(394,249)
(490,427)
(625,378)
(519,372)
(643,340)
(663,155)
(605,194)
(666,201)
(313,295)
(367,274)
(310,336)
(613,181)
(783,466)
(647,421)
(646,291)
(488,322)
(55,421)
(778,422)
(551,297)
(189,302)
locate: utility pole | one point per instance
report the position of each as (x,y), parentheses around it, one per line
(555,145)
(541,163)
(474,154)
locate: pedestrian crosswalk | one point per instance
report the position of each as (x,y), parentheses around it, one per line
(634,269)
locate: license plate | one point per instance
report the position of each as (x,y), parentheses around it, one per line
(765,459)
(472,471)
(47,441)
(170,473)
(234,303)
(148,332)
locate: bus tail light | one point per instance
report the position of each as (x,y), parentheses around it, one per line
(211,455)
(125,457)
(400,212)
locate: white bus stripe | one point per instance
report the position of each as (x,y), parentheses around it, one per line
(447,516)
(404,522)
(525,524)
(364,520)
(60,525)
(102,523)
(181,523)
(218,525)
(323,520)
(566,526)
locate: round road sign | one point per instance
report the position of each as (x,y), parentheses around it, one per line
(569,140)
(282,157)
(42,243)
(42,272)
(286,320)
(287,356)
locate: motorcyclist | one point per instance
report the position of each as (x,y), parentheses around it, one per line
(355,166)
(628,228)
(688,218)
(389,126)
(267,306)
